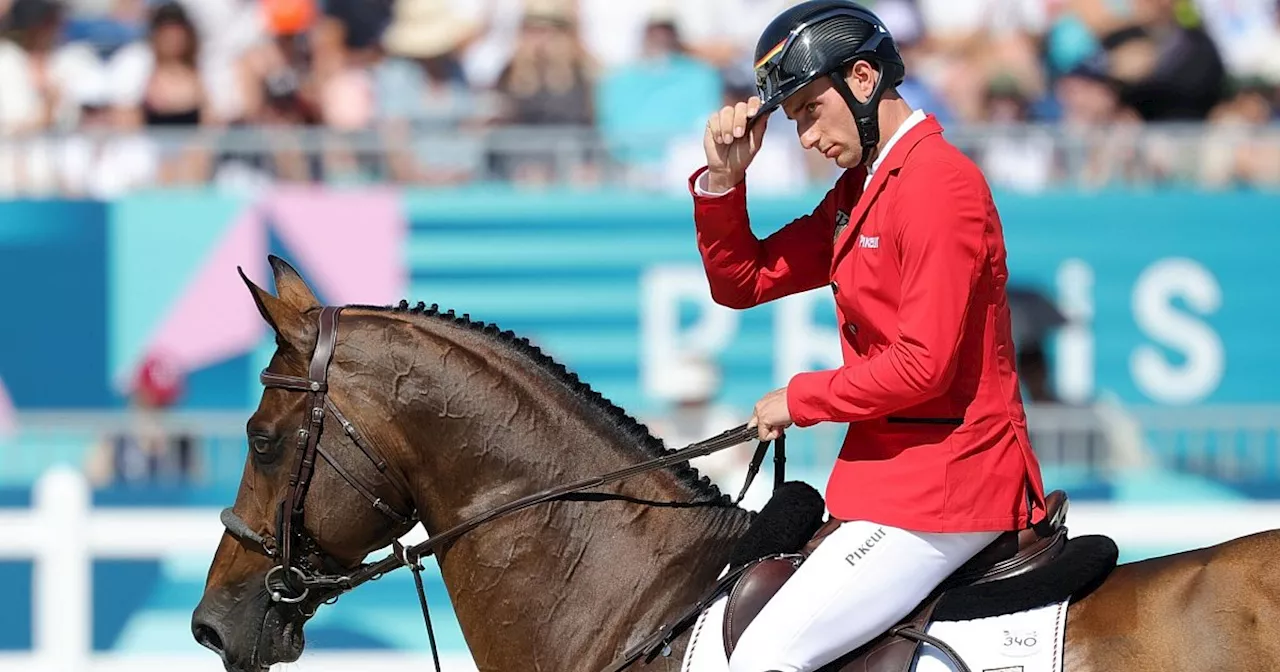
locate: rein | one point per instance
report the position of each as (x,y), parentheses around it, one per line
(412,556)
(727,439)
(292,539)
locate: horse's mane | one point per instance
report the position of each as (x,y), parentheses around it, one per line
(629,427)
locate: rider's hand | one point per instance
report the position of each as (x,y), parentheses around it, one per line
(729,147)
(771,415)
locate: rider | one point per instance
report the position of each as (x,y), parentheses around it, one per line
(936,461)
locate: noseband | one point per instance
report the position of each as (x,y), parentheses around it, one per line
(299,561)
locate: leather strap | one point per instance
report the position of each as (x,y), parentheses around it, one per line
(726,439)
(304,466)
(355,483)
(659,640)
(779,465)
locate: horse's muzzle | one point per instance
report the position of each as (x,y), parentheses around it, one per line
(242,647)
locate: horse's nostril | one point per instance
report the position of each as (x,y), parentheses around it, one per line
(208,638)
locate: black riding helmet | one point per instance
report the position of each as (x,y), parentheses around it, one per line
(820,38)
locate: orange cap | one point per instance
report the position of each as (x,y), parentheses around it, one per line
(289,17)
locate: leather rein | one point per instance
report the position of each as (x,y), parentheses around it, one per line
(298,557)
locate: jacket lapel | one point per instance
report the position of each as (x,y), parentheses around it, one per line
(892,162)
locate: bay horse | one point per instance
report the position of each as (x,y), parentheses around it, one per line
(440,419)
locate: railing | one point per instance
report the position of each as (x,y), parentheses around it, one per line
(62,533)
(1234,445)
(1027,157)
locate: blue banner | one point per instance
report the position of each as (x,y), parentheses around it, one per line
(1169,292)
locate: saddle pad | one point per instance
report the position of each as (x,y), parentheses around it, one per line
(705,652)
(1024,641)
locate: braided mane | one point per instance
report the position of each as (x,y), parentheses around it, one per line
(627,425)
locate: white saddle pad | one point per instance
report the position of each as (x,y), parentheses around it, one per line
(705,652)
(1025,641)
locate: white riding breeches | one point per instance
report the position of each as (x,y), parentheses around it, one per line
(862,580)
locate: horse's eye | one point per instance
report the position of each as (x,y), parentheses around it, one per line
(265,448)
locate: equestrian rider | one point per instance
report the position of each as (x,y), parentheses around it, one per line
(936,461)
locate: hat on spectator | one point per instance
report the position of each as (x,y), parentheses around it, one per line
(557,12)
(426,28)
(1095,68)
(289,17)
(662,13)
(158,383)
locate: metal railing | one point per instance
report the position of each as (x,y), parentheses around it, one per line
(1229,444)
(1031,157)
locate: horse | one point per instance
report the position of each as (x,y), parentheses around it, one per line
(443,418)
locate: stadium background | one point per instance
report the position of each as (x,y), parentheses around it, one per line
(1158,415)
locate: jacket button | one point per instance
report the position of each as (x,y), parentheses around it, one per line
(835,289)
(853,329)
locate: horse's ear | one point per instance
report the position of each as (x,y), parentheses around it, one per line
(290,286)
(284,320)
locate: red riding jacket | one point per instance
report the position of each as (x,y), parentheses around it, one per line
(937,438)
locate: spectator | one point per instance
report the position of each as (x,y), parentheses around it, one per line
(1167,66)
(281,65)
(664,94)
(1091,108)
(1238,148)
(37,72)
(101,162)
(1018,160)
(724,32)
(37,69)
(1247,32)
(149,453)
(549,81)
(159,83)
(344,86)
(124,23)
(423,96)
(904,19)
(550,76)
(967,43)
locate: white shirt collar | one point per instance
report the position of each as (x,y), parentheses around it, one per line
(916,117)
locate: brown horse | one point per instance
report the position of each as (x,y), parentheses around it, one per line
(443,419)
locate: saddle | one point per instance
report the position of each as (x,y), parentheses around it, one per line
(1011,554)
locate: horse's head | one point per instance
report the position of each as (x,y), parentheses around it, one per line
(374,417)
(321,488)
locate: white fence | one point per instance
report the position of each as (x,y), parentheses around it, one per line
(63,533)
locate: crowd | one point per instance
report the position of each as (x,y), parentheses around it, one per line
(98,97)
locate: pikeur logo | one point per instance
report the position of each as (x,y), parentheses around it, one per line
(865,547)
(871,242)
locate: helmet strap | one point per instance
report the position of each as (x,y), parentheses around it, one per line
(865,115)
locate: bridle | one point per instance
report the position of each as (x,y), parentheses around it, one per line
(290,581)
(299,561)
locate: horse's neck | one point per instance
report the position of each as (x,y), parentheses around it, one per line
(570,583)
(564,584)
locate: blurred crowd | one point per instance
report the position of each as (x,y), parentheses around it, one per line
(99,97)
